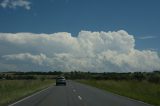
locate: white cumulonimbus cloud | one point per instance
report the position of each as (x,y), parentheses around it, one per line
(89,51)
(15,3)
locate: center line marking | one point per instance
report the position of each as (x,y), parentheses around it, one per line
(80,98)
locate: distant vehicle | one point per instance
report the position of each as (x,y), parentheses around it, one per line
(60,81)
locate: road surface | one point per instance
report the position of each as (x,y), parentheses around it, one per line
(76,94)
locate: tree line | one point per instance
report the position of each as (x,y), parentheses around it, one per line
(73,75)
(139,76)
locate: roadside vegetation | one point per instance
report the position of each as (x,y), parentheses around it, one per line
(12,90)
(14,86)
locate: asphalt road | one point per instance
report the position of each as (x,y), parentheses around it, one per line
(76,94)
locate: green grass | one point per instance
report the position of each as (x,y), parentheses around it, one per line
(144,91)
(12,90)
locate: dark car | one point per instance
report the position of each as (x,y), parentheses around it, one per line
(60,81)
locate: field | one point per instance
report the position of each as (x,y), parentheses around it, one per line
(140,90)
(12,90)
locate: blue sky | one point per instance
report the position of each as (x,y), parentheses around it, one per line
(140,18)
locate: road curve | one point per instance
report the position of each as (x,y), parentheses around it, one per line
(76,94)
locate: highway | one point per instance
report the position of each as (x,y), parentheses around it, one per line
(76,94)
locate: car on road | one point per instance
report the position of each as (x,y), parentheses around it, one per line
(60,81)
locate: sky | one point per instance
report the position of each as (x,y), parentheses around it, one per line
(85,35)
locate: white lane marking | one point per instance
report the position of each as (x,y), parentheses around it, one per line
(29,96)
(79,97)
(74,90)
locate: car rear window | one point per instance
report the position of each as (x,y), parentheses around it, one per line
(61,78)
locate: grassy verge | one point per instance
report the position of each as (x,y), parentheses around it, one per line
(144,91)
(12,90)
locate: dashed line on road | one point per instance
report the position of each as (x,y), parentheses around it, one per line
(79,97)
